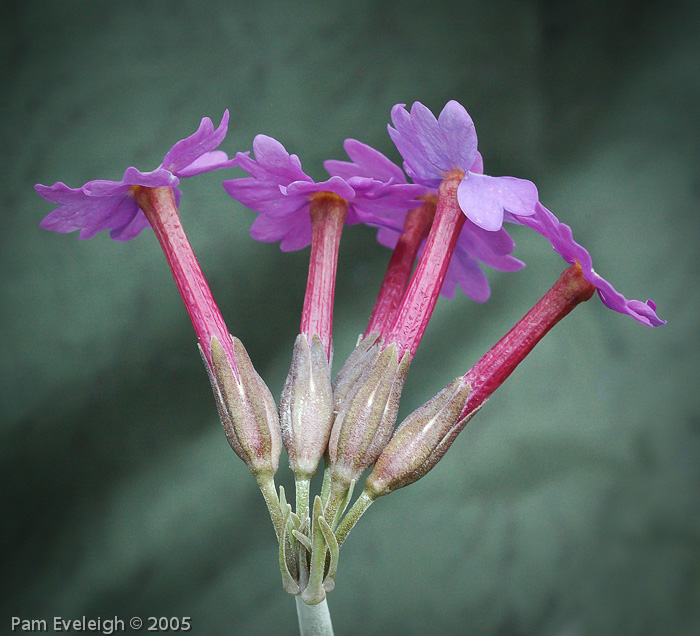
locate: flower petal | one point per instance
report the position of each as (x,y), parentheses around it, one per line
(273,162)
(465,272)
(186,151)
(263,197)
(432,147)
(214,160)
(306,188)
(130,229)
(80,210)
(409,143)
(385,199)
(561,238)
(294,231)
(458,136)
(366,162)
(483,199)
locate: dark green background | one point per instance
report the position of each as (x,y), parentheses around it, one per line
(569,507)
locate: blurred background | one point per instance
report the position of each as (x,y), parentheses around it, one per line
(568,507)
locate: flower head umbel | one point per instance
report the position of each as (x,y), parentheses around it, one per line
(434,149)
(110,205)
(559,235)
(281,192)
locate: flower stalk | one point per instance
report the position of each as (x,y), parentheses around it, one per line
(246,407)
(420,298)
(501,360)
(314,620)
(398,274)
(328,212)
(158,204)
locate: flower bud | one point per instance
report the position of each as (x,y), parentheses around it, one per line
(362,356)
(366,417)
(306,406)
(420,441)
(246,408)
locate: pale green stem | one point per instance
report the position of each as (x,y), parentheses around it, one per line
(314,620)
(363,502)
(326,486)
(302,495)
(269,493)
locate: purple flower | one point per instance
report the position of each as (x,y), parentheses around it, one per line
(436,148)
(474,244)
(110,205)
(280,191)
(560,236)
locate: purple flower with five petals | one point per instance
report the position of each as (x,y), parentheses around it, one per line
(559,235)
(435,148)
(474,244)
(110,205)
(280,191)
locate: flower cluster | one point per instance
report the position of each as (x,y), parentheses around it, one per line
(441,229)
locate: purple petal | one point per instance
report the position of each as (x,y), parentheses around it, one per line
(385,199)
(478,165)
(299,234)
(358,215)
(60,193)
(465,272)
(186,151)
(458,136)
(491,248)
(409,144)
(427,130)
(432,147)
(272,162)
(131,229)
(305,188)
(158,178)
(214,160)
(560,237)
(343,169)
(262,197)
(117,211)
(389,237)
(293,231)
(366,162)
(81,210)
(483,199)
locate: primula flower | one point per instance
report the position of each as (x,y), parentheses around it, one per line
(110,205)
(559,235)
(281,192)
(473,245)
(434,149)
